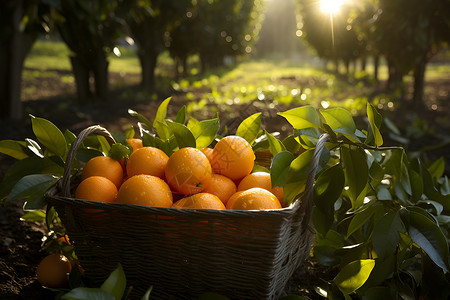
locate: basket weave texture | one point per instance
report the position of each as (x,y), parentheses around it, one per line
(183,253)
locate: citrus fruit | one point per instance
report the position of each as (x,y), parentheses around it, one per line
(145,190)
(188,171)
(221,186)
(233,157)
(253,199)
(96,188)
(135,143)
(104,166)
(52,271)
(148,161)
(261,180)
(208,152)
(200,200)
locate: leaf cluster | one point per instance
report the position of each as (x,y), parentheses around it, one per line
(380,217)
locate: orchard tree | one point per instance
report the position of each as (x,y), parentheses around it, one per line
(217,29)
(90,29)
(21,21)
(148,21)
(408,34)
(329,33)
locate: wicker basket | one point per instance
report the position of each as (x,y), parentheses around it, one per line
(183,253)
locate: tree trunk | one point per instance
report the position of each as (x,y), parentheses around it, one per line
(376,64)
(148,61)
(363,64)
(419,84)
(81,75)
(13,55)
(100,72)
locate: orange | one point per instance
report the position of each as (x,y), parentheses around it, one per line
(135,143)
(253,199)
(208,152)
(104,166)
(148,161)
(145,190)
(221,186)
(188,171)
(200,200)
(261,180)
(96,188)
(52,271)
(233,157)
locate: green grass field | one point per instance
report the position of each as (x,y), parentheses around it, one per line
(282,82)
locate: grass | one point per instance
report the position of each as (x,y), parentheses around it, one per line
(279,81)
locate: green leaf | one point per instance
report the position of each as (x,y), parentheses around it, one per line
(82,293)
(181,115)
(328,187)
(33,187)
(141,118)
(322,220)
(105,147)
(49,136)
(291,144)
(302,117)
(34,147)
(307,137)
(416,185)
(204,132)
(375,121)
(249,128)
(279,167)
(356,174)
(15,149)
(341,121)
(116,283)
(159,121)
(33,216)
(275,145)
(430,238)
(360,218)
(353,275)
(385,234)
(292,190)
(437,168)
(300,166)
(149,139)
(119,151)
(183,135)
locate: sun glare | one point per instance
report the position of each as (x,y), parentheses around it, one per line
(331,6)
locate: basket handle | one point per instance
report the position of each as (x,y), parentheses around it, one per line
(92,130)
(309,189)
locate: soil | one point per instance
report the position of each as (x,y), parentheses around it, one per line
(20,242)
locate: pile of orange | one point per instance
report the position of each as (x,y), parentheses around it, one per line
(212,178)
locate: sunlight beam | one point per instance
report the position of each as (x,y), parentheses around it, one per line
(331,6)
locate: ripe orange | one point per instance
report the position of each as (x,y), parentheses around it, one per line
(261,180)
(233,157)
(188,171)
(221,186)
(52,271)
(148,161)
(135,143)
(96,188)
(253,199)
(145,190)
(208,152)
(200,200)
(104,166)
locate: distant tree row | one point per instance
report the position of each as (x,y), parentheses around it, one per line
(91,29)
(407,33)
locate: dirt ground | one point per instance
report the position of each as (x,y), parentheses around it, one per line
(20,242)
